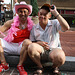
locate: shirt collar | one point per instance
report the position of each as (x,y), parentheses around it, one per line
(48,24)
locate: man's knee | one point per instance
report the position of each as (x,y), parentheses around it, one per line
(31,48)
(34,48)
(26,42)
(58,57)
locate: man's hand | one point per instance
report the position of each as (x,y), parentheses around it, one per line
(54,10)
(43,44)
(64,25)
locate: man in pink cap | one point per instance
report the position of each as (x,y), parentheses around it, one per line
(18,30)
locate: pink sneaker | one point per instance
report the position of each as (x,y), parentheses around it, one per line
(21,70)
(4,67)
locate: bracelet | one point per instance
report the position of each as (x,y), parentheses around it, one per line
(57,15)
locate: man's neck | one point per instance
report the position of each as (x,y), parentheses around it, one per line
(43,25)
(23,21)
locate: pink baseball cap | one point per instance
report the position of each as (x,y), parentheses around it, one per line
(23,4)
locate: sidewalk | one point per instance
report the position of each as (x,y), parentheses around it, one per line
(68,45)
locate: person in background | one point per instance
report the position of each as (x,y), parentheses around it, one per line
(2,14)
(18,30)
(45,39)
(14,12)
(5,8)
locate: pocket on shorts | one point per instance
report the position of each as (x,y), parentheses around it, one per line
(45,55)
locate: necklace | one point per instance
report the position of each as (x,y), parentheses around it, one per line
(23,26)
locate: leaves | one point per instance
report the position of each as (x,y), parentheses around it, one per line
(35,7)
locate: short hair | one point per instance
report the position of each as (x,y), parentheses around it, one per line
(46,8)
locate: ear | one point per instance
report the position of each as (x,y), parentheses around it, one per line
(49,15)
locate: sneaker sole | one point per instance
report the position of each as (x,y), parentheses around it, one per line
(6,70)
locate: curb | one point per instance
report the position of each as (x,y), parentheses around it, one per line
(69,64)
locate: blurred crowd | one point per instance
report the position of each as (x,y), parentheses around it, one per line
(4,8)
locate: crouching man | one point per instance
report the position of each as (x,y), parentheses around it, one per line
(45,37)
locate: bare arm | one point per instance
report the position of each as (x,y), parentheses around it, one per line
(62,21)
(6,26)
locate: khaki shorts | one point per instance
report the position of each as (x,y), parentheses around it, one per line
(45,54)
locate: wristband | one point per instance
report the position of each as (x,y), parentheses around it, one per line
(57,15)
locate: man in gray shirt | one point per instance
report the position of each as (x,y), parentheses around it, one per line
(45,36)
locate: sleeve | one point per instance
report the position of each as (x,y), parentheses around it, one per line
(57,25)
